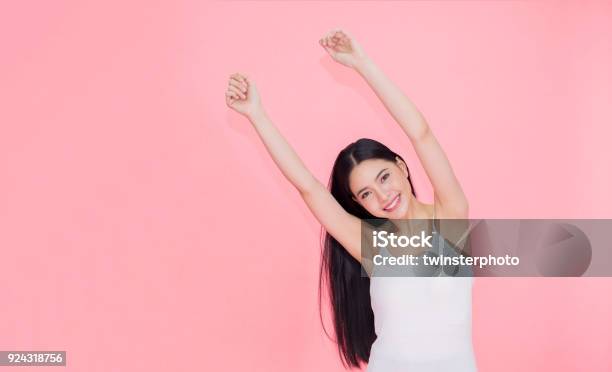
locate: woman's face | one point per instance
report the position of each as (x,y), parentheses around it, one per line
(381,187)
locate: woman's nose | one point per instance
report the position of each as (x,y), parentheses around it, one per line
(383,196)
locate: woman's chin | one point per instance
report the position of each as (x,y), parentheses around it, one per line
(398,214)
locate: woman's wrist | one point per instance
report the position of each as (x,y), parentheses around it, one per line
(256,114)
(362,63)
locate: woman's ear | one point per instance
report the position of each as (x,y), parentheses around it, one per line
(402,165)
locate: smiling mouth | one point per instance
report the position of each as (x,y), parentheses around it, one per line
(393,204)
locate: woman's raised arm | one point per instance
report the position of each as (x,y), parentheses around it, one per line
(449,197)
(243,97)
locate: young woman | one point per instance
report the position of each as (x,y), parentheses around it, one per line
(393,324)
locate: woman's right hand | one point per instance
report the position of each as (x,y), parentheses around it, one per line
(242,96)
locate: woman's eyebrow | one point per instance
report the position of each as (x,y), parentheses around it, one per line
(378,175)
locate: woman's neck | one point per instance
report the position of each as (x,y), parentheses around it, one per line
(418,210)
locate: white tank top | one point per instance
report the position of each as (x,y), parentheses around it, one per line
(422,324)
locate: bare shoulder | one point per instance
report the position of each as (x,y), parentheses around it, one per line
(453,225)
(450,212)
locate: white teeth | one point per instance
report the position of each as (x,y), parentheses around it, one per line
(394,203)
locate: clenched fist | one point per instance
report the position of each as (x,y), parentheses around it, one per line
(343,48)
(242,95)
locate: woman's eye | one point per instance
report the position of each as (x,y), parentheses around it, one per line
(365,194)
(384,178)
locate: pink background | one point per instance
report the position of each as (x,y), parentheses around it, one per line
(144,228)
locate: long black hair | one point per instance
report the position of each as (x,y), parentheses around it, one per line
(349,292)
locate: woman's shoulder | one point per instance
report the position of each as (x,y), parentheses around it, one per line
(439,212)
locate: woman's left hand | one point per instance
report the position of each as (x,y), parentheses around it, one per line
(343,48)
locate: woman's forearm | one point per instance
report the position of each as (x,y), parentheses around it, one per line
(401,108)
(282,153)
